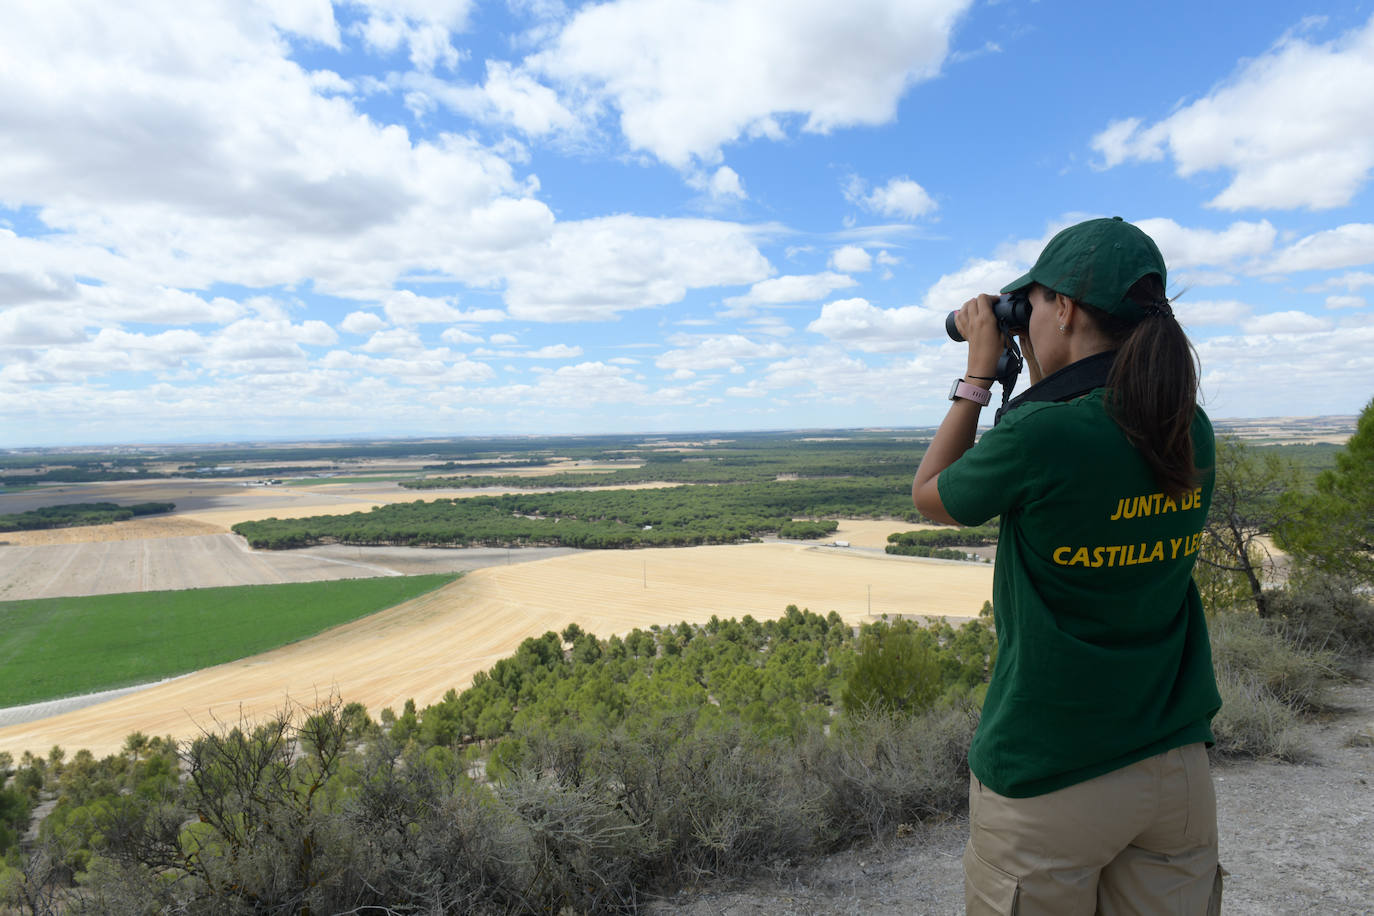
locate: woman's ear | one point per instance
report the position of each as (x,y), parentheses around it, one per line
(1065,312)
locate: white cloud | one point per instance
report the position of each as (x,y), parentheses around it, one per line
(851,259)
(857,323)
(509,96)
(405,308)
(591,270)
(36,326)
(394,340)
(1350,245)
(1201,312)
(554,351)
(975,277)
(790,288)
(503,340)
(459,336)
(688,76)
(900,197)
(1291,322)
(1292,126)
(183,148)
(362,323)
(725,182)
(1345,302)
(1239,371)
(720,352)
(1350,282)
(1183,247)
(422,27)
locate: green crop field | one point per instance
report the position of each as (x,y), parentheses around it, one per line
(58,647)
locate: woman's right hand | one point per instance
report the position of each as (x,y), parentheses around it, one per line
(978,324)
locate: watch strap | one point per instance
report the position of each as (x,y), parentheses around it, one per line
(962,389)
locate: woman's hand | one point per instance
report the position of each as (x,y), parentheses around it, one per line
(978,324)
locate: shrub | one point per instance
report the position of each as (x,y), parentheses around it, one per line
(879,770)
(1326,612)
(1249,648)
(1253,722)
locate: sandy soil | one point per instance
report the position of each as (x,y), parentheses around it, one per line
(422,648)
(137,529)
(1295,839)
(869,532)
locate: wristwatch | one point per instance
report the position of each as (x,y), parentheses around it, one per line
(962,389)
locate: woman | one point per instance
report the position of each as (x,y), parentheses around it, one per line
(1089,789)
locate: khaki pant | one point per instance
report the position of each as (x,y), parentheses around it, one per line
(1139,840)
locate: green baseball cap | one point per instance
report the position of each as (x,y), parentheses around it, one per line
(1096,262)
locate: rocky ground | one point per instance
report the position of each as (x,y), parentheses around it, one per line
(1296,839)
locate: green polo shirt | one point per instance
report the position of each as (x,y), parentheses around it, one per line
(1102,650)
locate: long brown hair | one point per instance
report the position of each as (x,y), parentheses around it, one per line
(1153,384)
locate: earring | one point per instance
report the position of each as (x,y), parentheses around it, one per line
(1063,329)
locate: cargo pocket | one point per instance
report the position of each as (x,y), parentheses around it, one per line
(988,891)
(1214,903)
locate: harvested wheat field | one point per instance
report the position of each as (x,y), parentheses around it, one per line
(422,648)
(158,564)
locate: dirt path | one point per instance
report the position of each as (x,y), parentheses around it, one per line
(422,648)
(1297,841)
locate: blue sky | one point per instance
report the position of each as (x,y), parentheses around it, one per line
(298,219)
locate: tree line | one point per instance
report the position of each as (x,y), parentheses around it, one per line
(70,515)
(664,517)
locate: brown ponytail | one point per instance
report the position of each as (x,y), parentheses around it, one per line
(1153,385)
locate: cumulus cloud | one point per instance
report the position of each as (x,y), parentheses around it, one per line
(681,92)
(725,182)
(1204,312)
(459,336)
(790,288)
(980,275)
(1350,282)
(1345,302)
(900,197)
(394,340)
(725,351)
(510,95)
(1186,247)
(592,270)
(421,27)
(405,308)
(860,324)
(1350,245)
(851,259)
(1292,126)
(185,149)
(362,323)
(36,326)
(1291,322)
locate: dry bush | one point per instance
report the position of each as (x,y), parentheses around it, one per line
(879,770)
(1248,648)
(1327,613)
